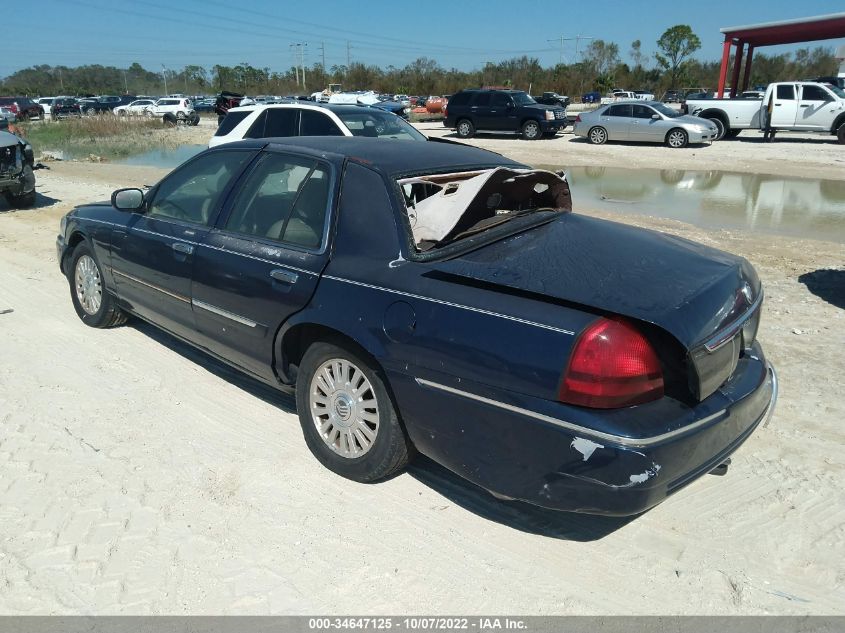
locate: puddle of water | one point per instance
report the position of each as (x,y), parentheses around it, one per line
(803,207)
(167,158)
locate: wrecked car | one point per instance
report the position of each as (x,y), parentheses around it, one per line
(443,299)
(17,178)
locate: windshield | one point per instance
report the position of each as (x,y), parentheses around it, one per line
(377,123)
(836,90)
(665,110)
(522,98)
(445,208)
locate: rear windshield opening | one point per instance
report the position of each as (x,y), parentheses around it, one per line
(445,208)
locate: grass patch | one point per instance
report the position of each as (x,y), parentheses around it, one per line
(106,137)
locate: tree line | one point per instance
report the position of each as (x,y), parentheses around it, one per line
(601,67)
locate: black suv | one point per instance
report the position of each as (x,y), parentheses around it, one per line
(502,111)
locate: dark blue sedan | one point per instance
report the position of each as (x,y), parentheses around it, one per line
(445,299)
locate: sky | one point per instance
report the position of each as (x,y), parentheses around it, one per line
(463,34)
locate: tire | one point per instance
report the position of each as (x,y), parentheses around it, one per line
(597,135)
(677,138)
(121,113)
(465,128)
(24,200)
(840,134)
(721,129)
(531,130)
(94,305)
(169,120)
(194,120)
(91,112)
(318,402)
(732,133)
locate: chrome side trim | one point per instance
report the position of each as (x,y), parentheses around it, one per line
(260,259)
(638,442)
(453,305)
(729,331)
(774,398)
(224,313)
(151,286)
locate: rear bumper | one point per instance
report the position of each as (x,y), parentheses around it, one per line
(520,452)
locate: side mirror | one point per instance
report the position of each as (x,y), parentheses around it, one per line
(655,117)
(127,199)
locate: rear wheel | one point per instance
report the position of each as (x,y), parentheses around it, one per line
(840,134)
(597,136)
(465,128)
(677,138)
(92,302)
(531,131)
(347,416)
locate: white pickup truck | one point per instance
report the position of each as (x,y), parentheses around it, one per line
(803,106)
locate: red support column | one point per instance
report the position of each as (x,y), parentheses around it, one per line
(723,72)
(737,63)
(747,75)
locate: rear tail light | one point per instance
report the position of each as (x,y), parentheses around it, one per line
(578,119)
(612,365)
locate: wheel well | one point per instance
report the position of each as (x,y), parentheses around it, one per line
(715,114)
(300,337)
(72,243)
(673,129)
(527,119)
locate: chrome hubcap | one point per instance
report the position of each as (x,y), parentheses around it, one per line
(598,136)
(463,128)
(344,408)
(676,139)
(89,287)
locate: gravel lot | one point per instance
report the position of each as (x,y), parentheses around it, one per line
(138,476)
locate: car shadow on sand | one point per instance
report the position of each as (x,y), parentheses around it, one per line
(40,201)
(514,514)
(827,284)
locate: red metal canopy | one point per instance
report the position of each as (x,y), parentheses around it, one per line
(822,27)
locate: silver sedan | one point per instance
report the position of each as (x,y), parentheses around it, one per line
(649,122)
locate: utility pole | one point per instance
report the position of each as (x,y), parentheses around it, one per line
(125,83)
(164,74)
(562,40)
(577,41)
(323,54)
(348,58)
(295,65)
(302,63)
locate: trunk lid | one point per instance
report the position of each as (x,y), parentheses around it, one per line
(698,294)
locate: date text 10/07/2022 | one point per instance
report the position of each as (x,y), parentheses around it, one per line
(418,623)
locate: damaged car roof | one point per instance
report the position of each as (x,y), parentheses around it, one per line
(392,157)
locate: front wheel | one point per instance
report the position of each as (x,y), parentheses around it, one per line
(597,136)
(347,416)
(840,134)
(677,138)
(92,302)
(531,131)
(465,128)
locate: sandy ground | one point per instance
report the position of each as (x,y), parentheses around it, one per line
(138,476)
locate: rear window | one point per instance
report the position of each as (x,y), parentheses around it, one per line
(230,122)
(280,122)
(462,98)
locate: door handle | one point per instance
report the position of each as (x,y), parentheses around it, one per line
(284,276)
(805,105)
(181,247)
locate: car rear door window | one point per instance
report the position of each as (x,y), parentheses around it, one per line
(191,193)
(284,199)
(459,99)
(619,110)
(482,99)
(281,122)
(230,122)
(256,130)
(315,123)
(786,92)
